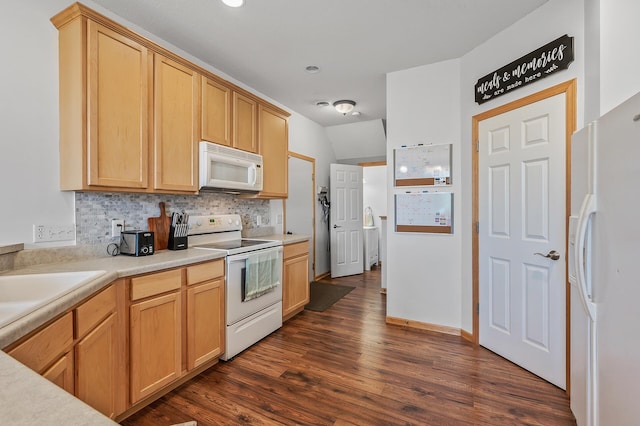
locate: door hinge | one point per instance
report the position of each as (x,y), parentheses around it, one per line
(478,146)
(477,227)
(478,308)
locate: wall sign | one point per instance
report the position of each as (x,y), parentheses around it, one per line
(548,59)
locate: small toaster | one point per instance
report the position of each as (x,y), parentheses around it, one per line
(136,243)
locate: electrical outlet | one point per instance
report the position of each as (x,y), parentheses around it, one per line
(47,233)
(258,220)
(279,219)
(117,226)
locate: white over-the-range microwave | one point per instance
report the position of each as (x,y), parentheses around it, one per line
(229,169)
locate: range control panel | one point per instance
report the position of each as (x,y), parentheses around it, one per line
(214,223)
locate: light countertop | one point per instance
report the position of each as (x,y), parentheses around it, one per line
(28,398)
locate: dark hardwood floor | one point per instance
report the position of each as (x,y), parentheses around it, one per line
(345,366)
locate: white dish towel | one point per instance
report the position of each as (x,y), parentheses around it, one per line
(262,274)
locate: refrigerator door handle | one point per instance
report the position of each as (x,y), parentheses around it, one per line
(587,210)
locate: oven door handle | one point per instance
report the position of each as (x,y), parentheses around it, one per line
(237,258)
(244,257)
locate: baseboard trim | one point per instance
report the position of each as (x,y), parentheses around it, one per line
(423,326)
(325,275)
(467,336)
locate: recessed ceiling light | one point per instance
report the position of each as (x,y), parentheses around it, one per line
(322,103)
(233,3)
(312,69)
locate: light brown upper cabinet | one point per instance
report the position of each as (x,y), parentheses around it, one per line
(216,112)
(245,118)
(273,136)
(103,142)
(132,113)
(176,126)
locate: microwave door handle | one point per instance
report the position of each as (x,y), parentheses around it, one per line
(253,174)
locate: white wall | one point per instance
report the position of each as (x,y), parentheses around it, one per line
(423,270)
(430,276)
(619,52)
(550,21)
(29,167)
(374,195)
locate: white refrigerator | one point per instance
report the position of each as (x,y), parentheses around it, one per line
(604,269)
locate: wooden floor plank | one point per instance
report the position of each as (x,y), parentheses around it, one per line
(346,367)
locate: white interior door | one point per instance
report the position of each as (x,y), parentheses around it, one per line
(345,197)
(300,204)
(522,187)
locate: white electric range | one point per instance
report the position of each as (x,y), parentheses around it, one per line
(253,277)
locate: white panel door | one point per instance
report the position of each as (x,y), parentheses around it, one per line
(522,187)
(345,222)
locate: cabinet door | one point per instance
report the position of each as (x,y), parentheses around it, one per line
(216,112)
(205,322)
(61,373)
(176,126)
(118,104)
(295,290)
(155,344)
(47,345)
(245,114)
(274,148)
(96,367)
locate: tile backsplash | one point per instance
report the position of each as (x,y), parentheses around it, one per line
(95,210)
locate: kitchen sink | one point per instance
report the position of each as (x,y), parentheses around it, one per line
(23,294)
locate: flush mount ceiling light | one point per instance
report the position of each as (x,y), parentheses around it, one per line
(344,106)
(322,104)
(233,3)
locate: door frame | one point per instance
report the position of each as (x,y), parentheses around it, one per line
(569,89)
(313,205)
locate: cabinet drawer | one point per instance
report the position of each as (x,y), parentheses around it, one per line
(90,313)
(292,250)
(47,345)
(153,284)
(205,271)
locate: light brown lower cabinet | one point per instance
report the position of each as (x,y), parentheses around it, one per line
(46,346)
(295,271)
(155,344)
(97,366)
(61,372)
(205,322)
(117,352)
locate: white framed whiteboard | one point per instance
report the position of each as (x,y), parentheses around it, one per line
(422,165)
(429,212)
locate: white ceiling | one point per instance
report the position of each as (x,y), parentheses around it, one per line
(266,44)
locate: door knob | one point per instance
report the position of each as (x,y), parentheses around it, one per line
(553,255)
(336,226)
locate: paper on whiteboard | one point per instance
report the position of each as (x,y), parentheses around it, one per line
(428,161)
(424,209)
